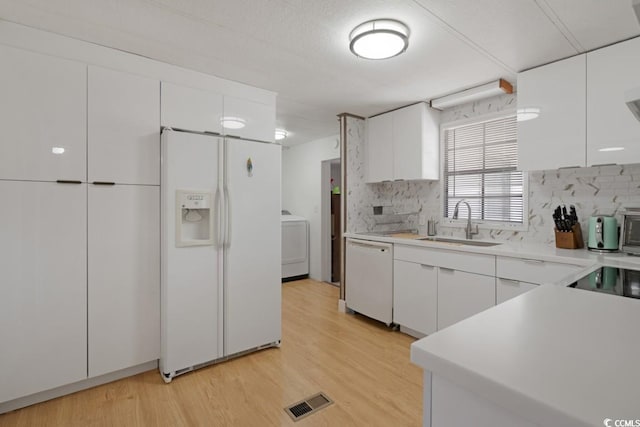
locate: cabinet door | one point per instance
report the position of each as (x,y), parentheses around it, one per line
(613,131)
(507,289)
(415,296)
(43,116)
(124,276)
(407,142)
(43,308)
(461,295)
(124,128)
(379,148)
(190,109)
(259,119)
(557,137)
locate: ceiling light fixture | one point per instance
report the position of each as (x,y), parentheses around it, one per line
(379,39)
(281,134)
(524,114)
(497,87)
(232,122)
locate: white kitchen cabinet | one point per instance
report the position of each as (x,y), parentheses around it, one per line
(507,289)
(379,152)
(124,276)
(462,294)
(613,132)
(190,109)
(43,308)
(43,116)
(259,119)
(123,128)
(415,296)
(533,270)
(557,137)
(404,144)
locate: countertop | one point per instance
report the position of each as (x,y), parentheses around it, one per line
(556,356)
(523,250)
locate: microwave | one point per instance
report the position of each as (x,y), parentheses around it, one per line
(630,232)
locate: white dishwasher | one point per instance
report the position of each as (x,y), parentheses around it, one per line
(369,279)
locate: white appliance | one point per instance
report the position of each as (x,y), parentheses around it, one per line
(295,246)
(220,249)
(369,279)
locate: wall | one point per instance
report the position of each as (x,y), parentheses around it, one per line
(302,189)
(594,191)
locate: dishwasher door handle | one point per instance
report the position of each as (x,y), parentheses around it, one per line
(381,248)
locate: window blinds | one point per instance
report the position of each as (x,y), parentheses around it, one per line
(480,161)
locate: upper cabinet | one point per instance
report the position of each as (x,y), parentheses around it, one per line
(191,109)
(556,137)
(248,119)
(613,126)
(43,115)
(404,144)
(124,128)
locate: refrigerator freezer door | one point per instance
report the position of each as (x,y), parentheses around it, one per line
(252,254)
(191,276)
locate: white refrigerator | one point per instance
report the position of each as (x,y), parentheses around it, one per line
(220,286)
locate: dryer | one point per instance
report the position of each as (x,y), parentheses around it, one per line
(295,247)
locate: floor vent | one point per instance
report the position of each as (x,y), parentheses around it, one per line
(308,406)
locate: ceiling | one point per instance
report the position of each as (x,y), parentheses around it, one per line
(299,48)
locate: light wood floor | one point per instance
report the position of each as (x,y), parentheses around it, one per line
(360,364)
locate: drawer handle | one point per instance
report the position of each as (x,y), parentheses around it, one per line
(68,181)
(534,261)
(427,266)
(103,183)
(449,270)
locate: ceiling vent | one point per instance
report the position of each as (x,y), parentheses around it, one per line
(632,98)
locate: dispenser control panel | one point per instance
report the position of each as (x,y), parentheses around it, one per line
(194,218)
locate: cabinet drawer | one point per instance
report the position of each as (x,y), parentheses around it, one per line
(533,270)
(463,261)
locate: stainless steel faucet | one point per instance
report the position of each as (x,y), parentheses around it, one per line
(469,229)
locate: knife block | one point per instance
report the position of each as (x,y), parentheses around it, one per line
(569,239)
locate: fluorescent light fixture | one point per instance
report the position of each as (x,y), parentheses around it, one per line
(379,39)
(232,122)
(281,134)
(606,149)
(524,114)
(57,150)
(498,87)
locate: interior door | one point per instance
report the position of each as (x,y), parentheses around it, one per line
(252,284)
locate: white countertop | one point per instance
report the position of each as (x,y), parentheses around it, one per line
(516,250)
(556,356)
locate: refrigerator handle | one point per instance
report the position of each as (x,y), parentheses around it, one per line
(218,203)
(227,218)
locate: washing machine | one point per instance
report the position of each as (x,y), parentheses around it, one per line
(295,247)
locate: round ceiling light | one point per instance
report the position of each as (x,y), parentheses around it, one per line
(281,134)
(232,122)
(524,114)
(379,39)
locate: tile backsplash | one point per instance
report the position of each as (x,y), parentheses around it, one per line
(600,190)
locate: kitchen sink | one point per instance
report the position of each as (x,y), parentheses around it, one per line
(459,241)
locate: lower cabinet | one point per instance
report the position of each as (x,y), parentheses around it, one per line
(462,294)
(43,306)
(507,289)
(124,276)
(415,296)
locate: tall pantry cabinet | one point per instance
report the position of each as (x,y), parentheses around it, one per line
(79,222)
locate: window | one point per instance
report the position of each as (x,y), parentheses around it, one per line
(480,161)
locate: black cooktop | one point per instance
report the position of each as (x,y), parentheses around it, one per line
(611,280)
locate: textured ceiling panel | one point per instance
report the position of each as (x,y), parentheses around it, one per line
(299,48)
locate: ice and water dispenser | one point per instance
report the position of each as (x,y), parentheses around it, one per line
(194,218)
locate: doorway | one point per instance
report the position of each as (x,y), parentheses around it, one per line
(331,189)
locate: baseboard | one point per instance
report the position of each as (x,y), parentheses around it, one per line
(32,399)
(411,332)
(342,306)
